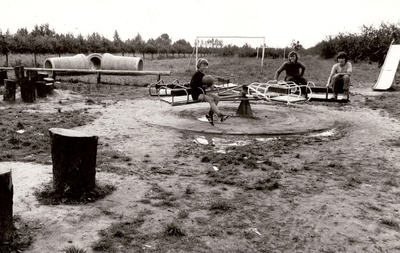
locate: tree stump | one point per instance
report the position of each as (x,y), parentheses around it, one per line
(6,207)
(3,76)
(41,76)
(41,89)
(49,84)
(19,72)
(10,87)
(74,160)
(28,90)
(32,75)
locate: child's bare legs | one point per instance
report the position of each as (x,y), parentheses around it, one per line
(346,84)
(213,100)
(340,80)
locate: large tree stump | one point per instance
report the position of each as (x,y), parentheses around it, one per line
(10,87)
(6,206)
(74,160)
(3,76)
(28,90)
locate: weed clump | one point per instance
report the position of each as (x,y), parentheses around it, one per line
(48,196)
(172,229)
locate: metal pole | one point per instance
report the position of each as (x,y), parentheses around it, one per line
(197,49)
(262,58)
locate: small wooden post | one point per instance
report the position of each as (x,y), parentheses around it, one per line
(3,76)
(6,207)
(98,78)
(28,90)
(19,74)
(32,75)
(74,160)
(10,87)
(42,76)
(41,89)
(49,85)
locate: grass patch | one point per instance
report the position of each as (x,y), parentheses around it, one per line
(48,196)
(28,138)
(22,236)
(73,249)
(125,234)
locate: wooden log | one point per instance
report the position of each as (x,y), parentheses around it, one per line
(49,84)
(28,90)
(42,76)
(6,207)
(19,74)
(41,89)
(3,76)
(74,160)
(32,75)
(105,72)
(10,87)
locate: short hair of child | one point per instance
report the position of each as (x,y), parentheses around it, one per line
(201,61)
(295,54)
(342,55)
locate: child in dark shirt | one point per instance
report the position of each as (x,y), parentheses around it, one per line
(294,70)
(199,92)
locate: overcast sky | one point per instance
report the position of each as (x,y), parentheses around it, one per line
(279,21)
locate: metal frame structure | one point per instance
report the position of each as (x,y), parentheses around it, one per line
(232,37)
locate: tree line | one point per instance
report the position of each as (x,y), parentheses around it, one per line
(43,40)
(369,44)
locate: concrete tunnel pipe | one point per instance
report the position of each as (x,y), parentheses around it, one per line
(95,61)
(78,61)
(111,62)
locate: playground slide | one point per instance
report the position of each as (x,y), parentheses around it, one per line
(389,68)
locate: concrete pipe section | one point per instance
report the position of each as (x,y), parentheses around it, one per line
(78,61)
(95,61)
(268,119)
(111,62)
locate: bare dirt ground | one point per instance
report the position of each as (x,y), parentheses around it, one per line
(336,190)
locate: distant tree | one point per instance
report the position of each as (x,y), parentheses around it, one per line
(94,43)
(106,45)
(247,51)
(19,42)
(5,45)
(182,47)
(136,45)
(42,30)
(163,44)
(81,44)
(151,47)
(118,44)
